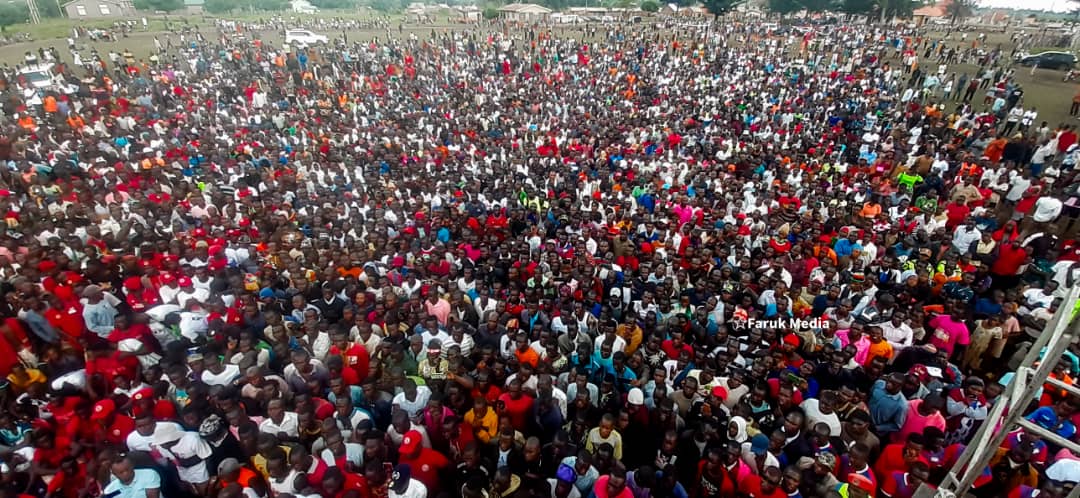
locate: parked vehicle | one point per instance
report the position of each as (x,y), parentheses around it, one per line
(304,38)
(1050,60)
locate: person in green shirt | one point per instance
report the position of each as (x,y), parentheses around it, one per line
(909,179)
(926,204)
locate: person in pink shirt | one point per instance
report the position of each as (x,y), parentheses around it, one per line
(855,337)
(437,306)
(922,413)
(950,333)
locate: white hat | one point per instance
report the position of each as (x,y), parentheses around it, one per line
(635,397)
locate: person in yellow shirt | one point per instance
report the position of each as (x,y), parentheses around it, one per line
(483,420)
(631,333)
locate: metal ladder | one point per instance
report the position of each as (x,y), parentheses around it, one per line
(1055,339)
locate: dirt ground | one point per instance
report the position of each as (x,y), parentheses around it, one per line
(1044,89)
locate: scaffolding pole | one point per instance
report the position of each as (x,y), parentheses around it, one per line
(35,16)
(1018,395)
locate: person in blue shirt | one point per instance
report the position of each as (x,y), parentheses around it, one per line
(129,482)
(845,246)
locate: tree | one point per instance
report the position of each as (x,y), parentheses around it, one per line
(650,6)
(720,7)
(335,4)
(784,7)
(154,5)
(220,6)
(491,13)
(959,9)
(858,7)
(13,14)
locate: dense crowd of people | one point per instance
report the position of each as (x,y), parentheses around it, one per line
(528,262)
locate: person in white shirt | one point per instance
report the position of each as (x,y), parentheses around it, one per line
(412,399)
(1017,186)
(215,373)
(898,333)
(1046,209)
(964,236)
(280,421)
(402,485)
(821,410)
(1040,298)
(189,296)
(146,428)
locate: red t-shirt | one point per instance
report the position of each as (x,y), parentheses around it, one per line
(956,214)
(426,466)
(672,352)
(891,460)
(1009,260)
(751,487)
(357,359)
(353,482)
(518,410)
(117,432)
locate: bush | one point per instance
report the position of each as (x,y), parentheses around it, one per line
(650,6)
(491,13)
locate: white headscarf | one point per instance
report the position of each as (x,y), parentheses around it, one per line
(740,429)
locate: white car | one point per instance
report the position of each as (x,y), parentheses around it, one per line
(304,38)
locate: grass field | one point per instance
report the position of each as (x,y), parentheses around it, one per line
(1044,89)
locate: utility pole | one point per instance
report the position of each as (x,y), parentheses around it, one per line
(35,16)
(1008,413)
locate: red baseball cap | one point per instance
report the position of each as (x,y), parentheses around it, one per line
(103,409)
(410,443)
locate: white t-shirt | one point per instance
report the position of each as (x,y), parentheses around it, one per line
(289,425)
(413,408)
(1046,209)
(414,490)
(814,416)
(226,377)
(1036,298)
(138,442)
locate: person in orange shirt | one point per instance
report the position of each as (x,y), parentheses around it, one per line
(878,345)
(869,211)
(49,103)
(995,149)
(27,123)
(75,122)
(525,355)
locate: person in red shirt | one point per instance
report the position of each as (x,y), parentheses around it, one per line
(956,213)
(612,485)
(767,485)
(427,464)
(517,405)
(112,427)
(673,346)
(456,438)
(898,457)
(314,469)
(1010,257)
(904,484)
(355,355)
(485,389)
(337,482)
(70,481)
(1065,139)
